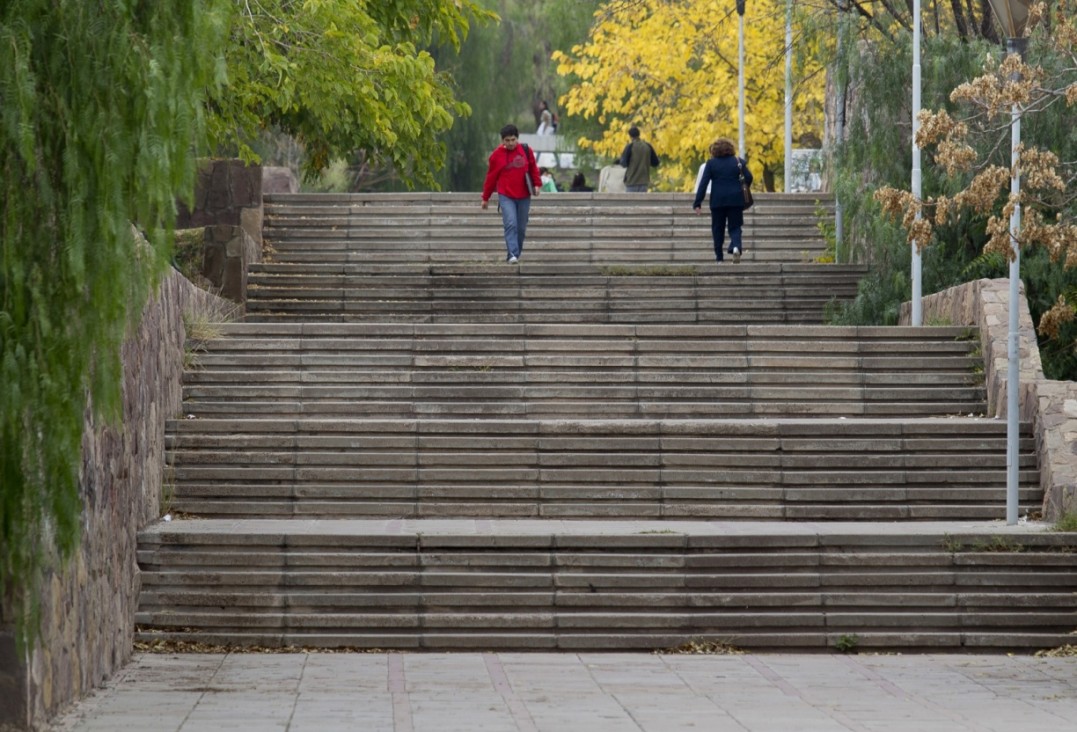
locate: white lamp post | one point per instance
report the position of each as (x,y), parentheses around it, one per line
(1013,15)
(839,219)
(740,78)
(788,95)
(917,278)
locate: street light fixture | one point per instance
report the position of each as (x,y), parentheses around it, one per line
(740,78)
(1013,15)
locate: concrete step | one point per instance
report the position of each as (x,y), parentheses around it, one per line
(583,370)
(614,585)
(495,292)
(577,227)
(927,469)
(614,445)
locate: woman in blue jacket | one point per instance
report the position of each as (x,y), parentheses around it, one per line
(722,173)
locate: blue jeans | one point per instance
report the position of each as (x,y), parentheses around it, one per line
(514,213)
(733,216)
(637,188)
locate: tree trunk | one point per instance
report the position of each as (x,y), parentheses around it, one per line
(959,19)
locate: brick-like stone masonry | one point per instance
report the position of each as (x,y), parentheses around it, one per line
(88,608)
(1050,405)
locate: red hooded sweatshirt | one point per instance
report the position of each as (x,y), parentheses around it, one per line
(506,171)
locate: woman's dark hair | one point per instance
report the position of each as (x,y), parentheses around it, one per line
(578,181)
(509,131)
(722,148)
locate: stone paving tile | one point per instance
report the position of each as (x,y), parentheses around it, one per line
(547,692)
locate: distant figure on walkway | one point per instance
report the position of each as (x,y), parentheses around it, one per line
(638,158)
(546,121)
(514,174)
(579,184)
(549,185)
(722,173)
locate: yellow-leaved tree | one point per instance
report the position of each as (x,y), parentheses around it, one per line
(669,67)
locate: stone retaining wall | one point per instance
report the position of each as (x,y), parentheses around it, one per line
(88,608)
(226,192)
(1051,406)
(228,207)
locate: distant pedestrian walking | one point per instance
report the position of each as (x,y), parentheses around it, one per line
(547,123)
(638,158)
(514,174)
(722,174)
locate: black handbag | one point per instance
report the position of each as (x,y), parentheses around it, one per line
(745,187)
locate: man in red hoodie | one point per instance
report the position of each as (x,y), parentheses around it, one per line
(513,172)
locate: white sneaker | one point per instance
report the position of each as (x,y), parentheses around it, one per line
(513,260)
(736,255)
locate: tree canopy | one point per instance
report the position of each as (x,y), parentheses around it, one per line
(670,68)
(104,107)
(100,107)
(342,76)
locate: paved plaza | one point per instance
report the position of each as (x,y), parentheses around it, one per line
(599,692)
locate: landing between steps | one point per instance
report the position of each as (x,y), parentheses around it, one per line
(553,533)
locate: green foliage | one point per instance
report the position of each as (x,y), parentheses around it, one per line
(99,107)
(341,76)
(1068,522)
(501,72)
(878,153)
(848,643)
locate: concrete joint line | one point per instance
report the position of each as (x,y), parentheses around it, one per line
(500,680)
(398,690)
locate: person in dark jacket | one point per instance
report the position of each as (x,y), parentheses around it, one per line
(722,173)
(579,184)
(638,157)
(508,170)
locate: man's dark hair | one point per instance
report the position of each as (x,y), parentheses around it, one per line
(633,132)
(509,131)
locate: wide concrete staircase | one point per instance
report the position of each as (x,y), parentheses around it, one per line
(615,445)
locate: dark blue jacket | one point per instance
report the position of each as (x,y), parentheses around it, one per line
(723,176)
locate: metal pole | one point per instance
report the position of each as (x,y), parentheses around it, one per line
(1013,349)
(788,95)
(917,286)
(740,79)
(839,222)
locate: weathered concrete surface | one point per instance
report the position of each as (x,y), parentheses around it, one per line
(1050,405)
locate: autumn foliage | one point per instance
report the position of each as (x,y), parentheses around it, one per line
(670,68)
(1046,194)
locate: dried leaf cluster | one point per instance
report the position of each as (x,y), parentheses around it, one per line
(1046,192)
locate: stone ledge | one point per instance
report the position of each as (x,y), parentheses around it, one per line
(1050,405)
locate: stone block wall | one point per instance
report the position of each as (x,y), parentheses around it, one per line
(228,206)
(227,252)
(1051,406)
(227,192)
(88,607)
